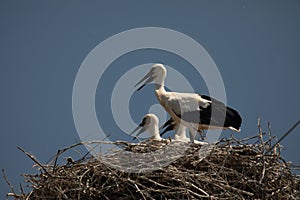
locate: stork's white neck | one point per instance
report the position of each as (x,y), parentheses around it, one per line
(160,78)
(153,130)
(160,87)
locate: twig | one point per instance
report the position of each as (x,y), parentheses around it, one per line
(61,151)
(28,197)
(138,189)
(199,189)
(270,134)
(196,194)
(22,190)
(236,189)
(263,171)
(156,183)
(286,134)
(8,182)
(260,134)
(35,160)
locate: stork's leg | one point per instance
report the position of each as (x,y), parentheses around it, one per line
(192,134)
(202,134)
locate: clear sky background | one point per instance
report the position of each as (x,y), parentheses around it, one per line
(255,44)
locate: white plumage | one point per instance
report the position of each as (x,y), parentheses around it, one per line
(149,123)
(180,130)
(194,111)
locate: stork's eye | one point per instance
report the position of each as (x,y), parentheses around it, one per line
(143,121)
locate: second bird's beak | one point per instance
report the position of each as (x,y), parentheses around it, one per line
(149,80)
(164,125)
(168,125)
(142,129)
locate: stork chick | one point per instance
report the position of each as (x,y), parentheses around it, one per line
(149,123)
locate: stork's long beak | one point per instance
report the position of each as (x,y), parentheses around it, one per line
(166,130)
(142,128)
(149,78)
(166,124)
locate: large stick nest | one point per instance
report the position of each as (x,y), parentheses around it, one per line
(233,169)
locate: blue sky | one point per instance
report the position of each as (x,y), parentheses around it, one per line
(255,45)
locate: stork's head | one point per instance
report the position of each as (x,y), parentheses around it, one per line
(156,74)
(149,123)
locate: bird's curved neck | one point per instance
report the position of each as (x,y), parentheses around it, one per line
(153,130)
(160,80)
(160,87)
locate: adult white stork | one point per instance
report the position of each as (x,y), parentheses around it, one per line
(196,112)
(149,123)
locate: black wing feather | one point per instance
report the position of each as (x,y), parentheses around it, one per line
(232,117)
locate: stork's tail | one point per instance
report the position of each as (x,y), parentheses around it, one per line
(233,120)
